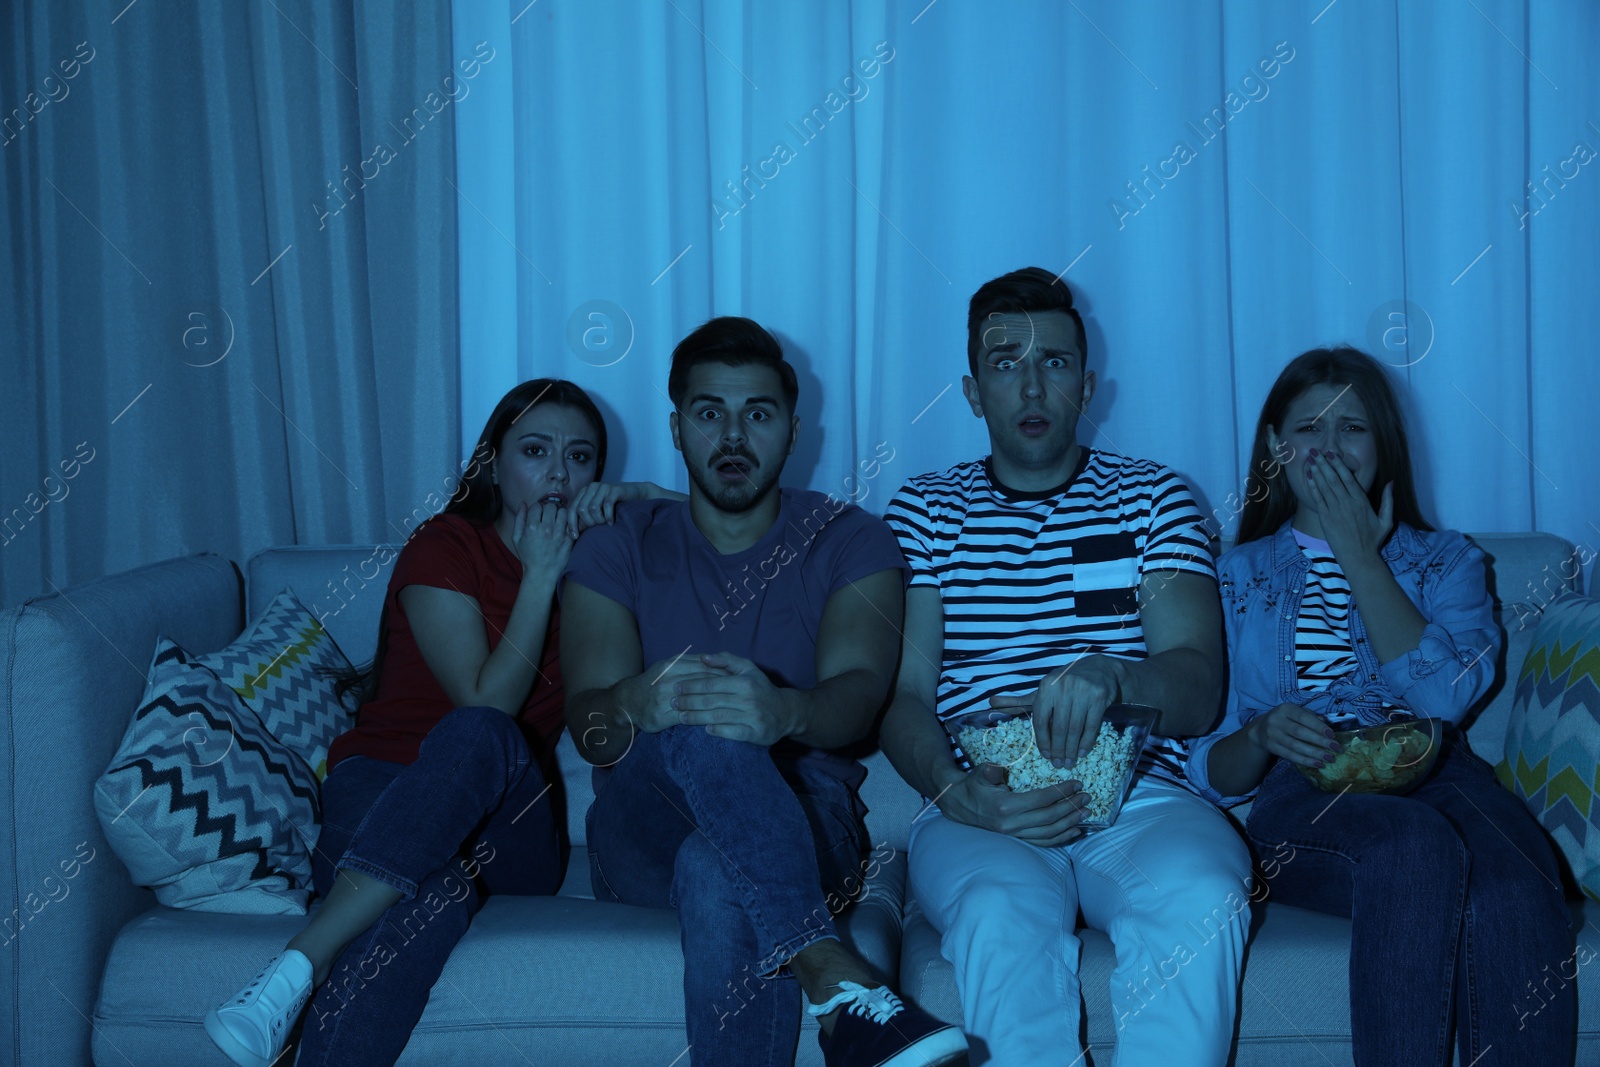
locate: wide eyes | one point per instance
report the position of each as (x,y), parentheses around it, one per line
(754,415)
(1005,363)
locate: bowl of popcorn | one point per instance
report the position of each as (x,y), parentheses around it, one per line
(1006,739)
(1391,757)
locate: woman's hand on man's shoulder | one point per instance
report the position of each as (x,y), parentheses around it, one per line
(596,504)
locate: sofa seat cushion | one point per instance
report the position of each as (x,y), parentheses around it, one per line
(548,980)
(1295,998)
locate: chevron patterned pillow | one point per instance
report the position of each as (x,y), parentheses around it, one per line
(1553,742)
(203,804)
(278,668)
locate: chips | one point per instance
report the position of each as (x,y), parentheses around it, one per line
(1377,759)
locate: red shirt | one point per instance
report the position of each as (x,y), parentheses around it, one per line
(449,552)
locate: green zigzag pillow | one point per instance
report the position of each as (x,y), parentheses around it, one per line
(278,669)
(1552,758)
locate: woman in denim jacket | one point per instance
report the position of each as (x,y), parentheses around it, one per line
(1340,616)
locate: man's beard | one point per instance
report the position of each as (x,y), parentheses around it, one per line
(739,496)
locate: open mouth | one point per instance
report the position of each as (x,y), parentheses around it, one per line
(558,499)
(1034,425)
(732,468)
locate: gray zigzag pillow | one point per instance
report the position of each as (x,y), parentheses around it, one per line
(203,804)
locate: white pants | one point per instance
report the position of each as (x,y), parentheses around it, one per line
(1169,882)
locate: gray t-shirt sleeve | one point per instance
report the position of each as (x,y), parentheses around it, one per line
(857,544)
(606,560)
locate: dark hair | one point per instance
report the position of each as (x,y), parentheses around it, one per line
(733,341)
(1022,291)
(477,497)
(1268,499)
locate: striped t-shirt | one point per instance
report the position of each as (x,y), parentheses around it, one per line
(1032,581)
(1322,649)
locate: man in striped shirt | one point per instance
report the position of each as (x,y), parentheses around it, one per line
(1060,579)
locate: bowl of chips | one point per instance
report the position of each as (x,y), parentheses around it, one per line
(1391,757)
(1006,739)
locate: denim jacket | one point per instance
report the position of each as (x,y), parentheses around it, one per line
(1262,582)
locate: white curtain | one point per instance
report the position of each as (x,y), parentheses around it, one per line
(228,318)
(1225,185)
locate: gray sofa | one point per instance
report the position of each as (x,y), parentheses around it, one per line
(93,967)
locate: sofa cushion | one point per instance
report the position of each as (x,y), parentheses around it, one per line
(546,980)
(1552,758)
(281,668)
(203,804)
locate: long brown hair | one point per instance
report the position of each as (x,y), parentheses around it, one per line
(1269,501)
(477,496)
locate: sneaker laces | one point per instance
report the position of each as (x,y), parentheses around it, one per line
(877,1004)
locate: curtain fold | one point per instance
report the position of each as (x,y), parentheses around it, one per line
(1225,184)
(232,298)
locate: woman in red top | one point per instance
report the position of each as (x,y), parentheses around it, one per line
(433,799)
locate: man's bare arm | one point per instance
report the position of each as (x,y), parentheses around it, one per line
(912,738)
(1182,673)
(610,695)
(858,643)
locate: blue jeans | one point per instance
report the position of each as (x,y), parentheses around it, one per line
(1457,909)
(472,816)
(753,852)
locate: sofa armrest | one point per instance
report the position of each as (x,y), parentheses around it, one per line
(72,670)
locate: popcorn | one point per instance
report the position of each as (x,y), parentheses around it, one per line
(1102,771)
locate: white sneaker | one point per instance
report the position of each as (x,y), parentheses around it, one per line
(252,1027)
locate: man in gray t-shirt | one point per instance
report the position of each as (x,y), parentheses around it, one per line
(716,652)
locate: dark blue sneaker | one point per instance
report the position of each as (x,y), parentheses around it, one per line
(875,1029)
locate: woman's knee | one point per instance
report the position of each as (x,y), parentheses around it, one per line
(482,733)
(1409,848)
(1408,830)
(1367,830)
